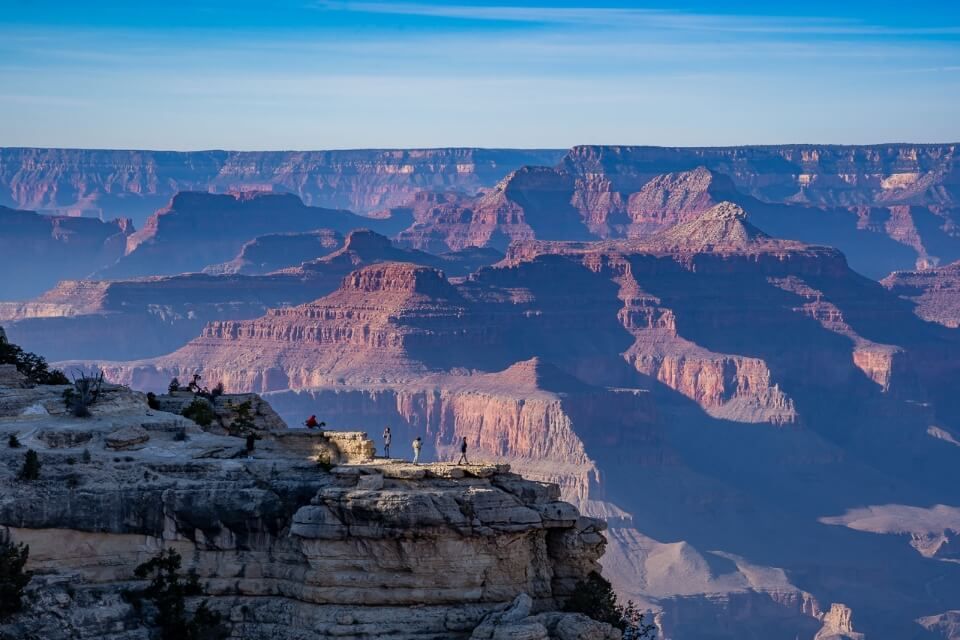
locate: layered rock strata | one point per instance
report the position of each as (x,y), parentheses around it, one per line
(283,548)
(109,183)
(93,319)
(934,292)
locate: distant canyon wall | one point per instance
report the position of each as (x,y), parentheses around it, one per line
(130,183)
(133,183)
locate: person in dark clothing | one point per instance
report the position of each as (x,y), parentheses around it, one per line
(463,452)
(387,439)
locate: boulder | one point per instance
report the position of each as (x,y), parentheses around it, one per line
(127,438)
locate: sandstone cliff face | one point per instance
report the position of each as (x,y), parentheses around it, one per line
(41,250)
(883,206)
(135,183)
(94,319)
(864,200)
(283,548)
(532,202)
(823,175)
(934,292)
(138,318)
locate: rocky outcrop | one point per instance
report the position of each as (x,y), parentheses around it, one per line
(364,247)
(675,198)
(518,622)
(945,625)
(276,251)
(723,227)
(283,547)
(838,625)
(935,292)
(43,249)
(225,409)
(532,202)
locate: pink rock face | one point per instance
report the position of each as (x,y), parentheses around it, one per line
(934,292)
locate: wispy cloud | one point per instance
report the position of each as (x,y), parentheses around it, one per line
(647,18)
(424,73)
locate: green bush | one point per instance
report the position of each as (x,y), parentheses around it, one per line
(31,466)
(13,579)
(168,590)
(31,365)
(200,412)
(152,400)
(594,597)
(242,422)
(13,441)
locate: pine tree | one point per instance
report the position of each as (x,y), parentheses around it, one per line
(31,466)
(13,579)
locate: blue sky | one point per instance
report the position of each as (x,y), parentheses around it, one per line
(314,74)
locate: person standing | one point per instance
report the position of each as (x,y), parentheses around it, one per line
(387,439)
(417,445)
(463,452)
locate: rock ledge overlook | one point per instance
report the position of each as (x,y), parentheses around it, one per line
(284,547)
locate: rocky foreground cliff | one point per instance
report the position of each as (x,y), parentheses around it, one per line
(284,547)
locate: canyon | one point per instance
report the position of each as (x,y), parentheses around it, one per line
(651,379)
(742,360)
(886,206)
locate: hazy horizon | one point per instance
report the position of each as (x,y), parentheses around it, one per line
(488,147)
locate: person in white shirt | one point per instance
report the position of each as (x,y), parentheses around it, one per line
(387,438)
(417,445)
